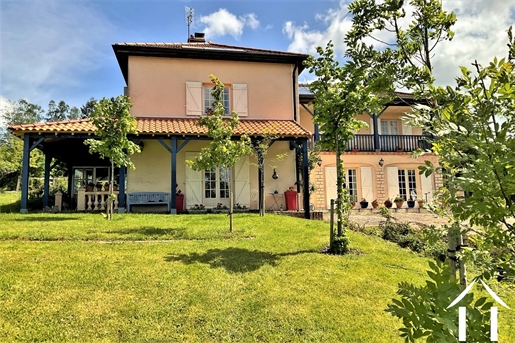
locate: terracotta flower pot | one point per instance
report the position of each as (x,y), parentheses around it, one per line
(399,204)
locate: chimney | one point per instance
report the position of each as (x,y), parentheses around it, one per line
(197,38)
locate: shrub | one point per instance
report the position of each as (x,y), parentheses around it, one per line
(340,245)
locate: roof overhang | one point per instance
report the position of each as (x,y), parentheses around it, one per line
(156,126)
(205,51)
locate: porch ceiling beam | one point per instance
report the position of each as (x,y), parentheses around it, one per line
(160,140)
(308,110)
(183,144)
(36,143)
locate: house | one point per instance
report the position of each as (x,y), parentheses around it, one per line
(377,161)
(170,87)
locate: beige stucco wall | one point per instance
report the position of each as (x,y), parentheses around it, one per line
(356,160)
(157,86)
(153,167)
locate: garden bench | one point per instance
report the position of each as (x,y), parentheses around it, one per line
(148,198)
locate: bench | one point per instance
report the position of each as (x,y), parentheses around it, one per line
(148,198)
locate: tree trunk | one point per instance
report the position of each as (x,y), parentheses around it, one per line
(110,196)
(261,166)
(462,267)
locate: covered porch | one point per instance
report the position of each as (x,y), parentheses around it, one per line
(64,142)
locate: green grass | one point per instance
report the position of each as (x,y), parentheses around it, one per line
(162,278)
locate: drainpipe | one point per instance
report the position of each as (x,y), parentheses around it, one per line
(294,84)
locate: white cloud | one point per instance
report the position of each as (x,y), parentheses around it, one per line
(223,23)
(480,33)
(5,104)
(47,45)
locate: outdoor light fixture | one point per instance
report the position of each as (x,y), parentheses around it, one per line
(141,146)
(381,162)
(319,161)
(274,175)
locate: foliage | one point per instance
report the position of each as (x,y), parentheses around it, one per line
(424,313)
(113,123)
(337,101)
(88,108)
(222,150)
(22,112)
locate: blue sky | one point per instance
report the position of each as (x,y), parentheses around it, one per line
(61,49)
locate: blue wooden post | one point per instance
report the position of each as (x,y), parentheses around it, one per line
(46,181)
(375,122)
(25,174)
(174,176)
(305,177)
(121,189)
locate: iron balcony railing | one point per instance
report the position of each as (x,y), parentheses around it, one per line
(388,143)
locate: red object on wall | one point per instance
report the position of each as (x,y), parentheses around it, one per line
(179,203)
(291,200)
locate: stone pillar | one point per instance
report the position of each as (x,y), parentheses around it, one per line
(381,185)
(81,199)
(59,200)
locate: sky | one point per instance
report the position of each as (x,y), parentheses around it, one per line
(61,49)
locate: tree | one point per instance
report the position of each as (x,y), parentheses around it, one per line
(22,112)
(74,113)
(87,109)
(338,98)
(222,151)
(113,123)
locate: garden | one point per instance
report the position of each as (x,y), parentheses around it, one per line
(73,277)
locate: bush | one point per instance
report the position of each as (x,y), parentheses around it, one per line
(340,245)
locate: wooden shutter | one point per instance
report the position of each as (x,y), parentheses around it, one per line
(193,183)
(427,187)
(240,102)
(194,98)
(242,182)
(330,185)
(392,174)
(366,183)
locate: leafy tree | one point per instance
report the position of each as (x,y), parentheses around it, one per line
(87,109)
(338,98)
(22,112)
(113,123)
(222,151)
(74,113)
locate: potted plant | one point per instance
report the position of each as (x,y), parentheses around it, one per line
(363,203)
(421,202)
(375,203)
(388,203)
(399,201)
(352,201)
(91,187)
(411,203)
(99,186)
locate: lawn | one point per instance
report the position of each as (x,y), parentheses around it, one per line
(161,278)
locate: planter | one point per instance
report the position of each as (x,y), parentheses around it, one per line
(90,189)
(399,204)
(411,203)
(375,204)
(179,203)
(291,200)
(420,203)
(363,204)
(388,204)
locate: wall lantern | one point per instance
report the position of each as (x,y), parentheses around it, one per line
(141,146)
(274,175)
(319,161)
(381,162)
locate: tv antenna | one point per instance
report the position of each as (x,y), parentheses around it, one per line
(188,12)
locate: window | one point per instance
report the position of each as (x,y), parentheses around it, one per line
(91,176)
(407,183)
(389,127)
(216,183)
(352,184)
(209,100)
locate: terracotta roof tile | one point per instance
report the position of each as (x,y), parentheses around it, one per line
(168,126)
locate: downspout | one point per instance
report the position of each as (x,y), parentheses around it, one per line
(294,84)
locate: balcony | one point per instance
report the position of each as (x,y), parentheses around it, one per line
(388,143)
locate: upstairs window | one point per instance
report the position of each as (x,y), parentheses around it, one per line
(199,99)
(389,127)
(209,100)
